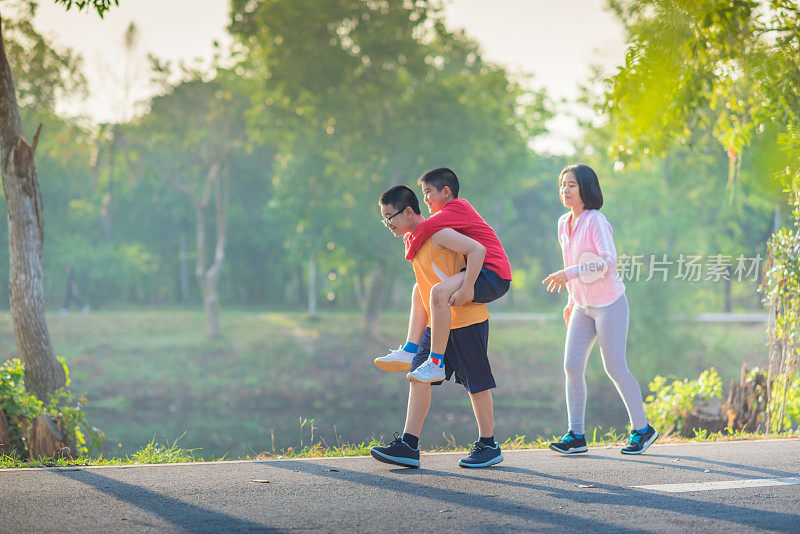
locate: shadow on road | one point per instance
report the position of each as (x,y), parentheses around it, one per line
(678,458)
(481,502)
(179,513)
(626,496)
(595,492)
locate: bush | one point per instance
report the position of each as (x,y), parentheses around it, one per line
(21,408)
(672,402)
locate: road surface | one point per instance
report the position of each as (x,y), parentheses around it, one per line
(751,486)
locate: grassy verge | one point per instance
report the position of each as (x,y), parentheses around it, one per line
(154,453)
(152,372)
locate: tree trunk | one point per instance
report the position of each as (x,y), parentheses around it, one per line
(218,186)
(5,435)
(312,286)
(727,301)
(211,306)
(47,439)
(43,372)
(183,269)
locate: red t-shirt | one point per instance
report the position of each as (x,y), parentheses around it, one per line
(459,215)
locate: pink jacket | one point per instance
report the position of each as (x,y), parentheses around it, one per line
(590,259)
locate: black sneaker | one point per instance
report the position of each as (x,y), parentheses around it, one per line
(638,443)
(569,444)
(397,452)
(482,455)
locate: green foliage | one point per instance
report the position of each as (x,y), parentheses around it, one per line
(673,399)
(42,71)
(21,407)
(15,402)
(101,6)
(361,96)
(781,290)
(170,453)
(727,68)
(785,400)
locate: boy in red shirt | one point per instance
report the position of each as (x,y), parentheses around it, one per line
(440,193)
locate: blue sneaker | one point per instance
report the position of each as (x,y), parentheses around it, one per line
(397,452)
(482,455)
(638,443)
(569,444)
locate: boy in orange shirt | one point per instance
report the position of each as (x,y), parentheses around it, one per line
(440,189)
(443,256)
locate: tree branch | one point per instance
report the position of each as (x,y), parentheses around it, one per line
(36,138)
(10,121)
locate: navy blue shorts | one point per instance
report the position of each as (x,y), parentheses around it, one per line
(465,356)
(489,286)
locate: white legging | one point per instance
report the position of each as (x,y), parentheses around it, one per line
(609,325)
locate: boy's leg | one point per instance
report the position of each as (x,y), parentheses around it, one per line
(418,318)
(399,360)
(440,311)
(484,412)
(419,402)
(404,450)
(486,451)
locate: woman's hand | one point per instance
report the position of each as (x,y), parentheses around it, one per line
(567,313)
(555,281)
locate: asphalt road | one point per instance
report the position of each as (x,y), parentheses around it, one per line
(739,487)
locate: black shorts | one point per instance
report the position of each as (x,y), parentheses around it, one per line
(465,356)
(489,286)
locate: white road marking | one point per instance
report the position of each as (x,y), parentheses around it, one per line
(722,485)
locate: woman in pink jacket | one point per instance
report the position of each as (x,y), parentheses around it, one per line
(596,309)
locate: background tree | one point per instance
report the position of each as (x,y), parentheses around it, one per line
(48,72)
(192,134)
(360,96)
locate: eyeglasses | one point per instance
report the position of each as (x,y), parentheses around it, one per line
(387,219)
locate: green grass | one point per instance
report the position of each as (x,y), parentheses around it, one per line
(149,372)
(154,453)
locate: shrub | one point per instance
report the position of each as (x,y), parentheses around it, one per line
(671,402)
(20,408)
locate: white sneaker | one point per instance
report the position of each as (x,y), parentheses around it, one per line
(395,362)
(427,372)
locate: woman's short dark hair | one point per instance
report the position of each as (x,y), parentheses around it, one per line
(400,197)
(439,178)
(588,185)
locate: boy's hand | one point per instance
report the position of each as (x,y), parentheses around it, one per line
(461,296)
(555,281)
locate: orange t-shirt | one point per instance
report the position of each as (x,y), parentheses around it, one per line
(433,265)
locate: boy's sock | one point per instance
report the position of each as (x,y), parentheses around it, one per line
(411,347)
(643,430)
(438,359)
(489,442)
(411,440)
(579,436)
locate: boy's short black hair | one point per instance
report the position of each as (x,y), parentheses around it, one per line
(400,197)
(439,178)
(588,185)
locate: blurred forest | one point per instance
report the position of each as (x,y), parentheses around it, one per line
(247,187)
(253,182)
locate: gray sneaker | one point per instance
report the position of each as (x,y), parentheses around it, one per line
(427,373)
(638,443)
(395,362)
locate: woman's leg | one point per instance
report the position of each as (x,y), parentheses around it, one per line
(580,339)
(612,335)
